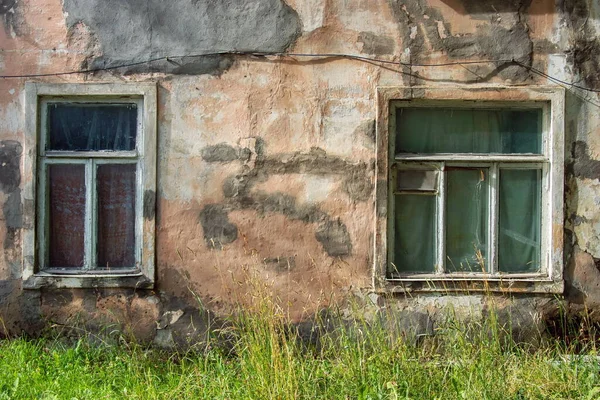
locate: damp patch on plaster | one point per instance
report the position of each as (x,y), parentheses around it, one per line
(10,161)
(366,129)
(583,166)
(334,237)
(237,189)
(139,30)
(584,43)
(494,40)
(376,44)
(221,152)
(10,180)
(218,231)
(12,18)
(149,204)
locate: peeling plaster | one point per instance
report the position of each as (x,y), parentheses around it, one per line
(140,30)
(280,150)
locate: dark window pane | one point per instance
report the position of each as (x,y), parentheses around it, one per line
(66,185)
(79,126)
(417,180)
(520,220)
(414,234)
(461,130)
(116,216)
(466,219)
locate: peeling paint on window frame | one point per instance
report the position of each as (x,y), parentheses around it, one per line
(37,95)
(550,279)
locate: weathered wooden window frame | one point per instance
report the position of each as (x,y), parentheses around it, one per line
(551,101)
(36,158)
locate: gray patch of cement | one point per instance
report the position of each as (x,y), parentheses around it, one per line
(10,161)
(149,204)
(583,166)
(216,226)
(493,41)
(376,44)
(137,30)
(221,152)
(331,233)
(334,237)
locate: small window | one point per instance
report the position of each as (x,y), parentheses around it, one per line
(95,179)
(474,191)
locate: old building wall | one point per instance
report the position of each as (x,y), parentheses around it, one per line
(266,164)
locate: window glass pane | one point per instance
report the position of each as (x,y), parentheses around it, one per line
(417,180)
(116,215)
(519,220)
(463,130)
(466,219)
(66,209)
(79,126)
(414,234)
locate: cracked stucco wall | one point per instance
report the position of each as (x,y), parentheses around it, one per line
(266,166)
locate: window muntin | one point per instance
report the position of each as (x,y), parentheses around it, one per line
(100,140)
(485,187)
(38,157)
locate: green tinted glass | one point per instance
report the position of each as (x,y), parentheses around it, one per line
(465,130)
(414,233)
(467,219)
(519,220)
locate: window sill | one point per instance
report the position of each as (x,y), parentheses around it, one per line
(467,285)
(83,281)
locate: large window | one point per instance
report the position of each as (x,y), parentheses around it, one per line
(473,191)
(95,173)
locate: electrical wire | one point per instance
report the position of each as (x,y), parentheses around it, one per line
(302,55)
(555,80)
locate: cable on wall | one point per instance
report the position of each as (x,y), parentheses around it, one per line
(306,55)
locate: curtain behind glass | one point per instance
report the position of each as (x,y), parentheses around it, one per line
(447,130)
(467,219)
(91,127)
(519,220)
(414,233)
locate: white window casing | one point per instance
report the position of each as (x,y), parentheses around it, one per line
(36,273)
(551,162)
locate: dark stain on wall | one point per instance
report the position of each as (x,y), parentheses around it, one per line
(10,161)
(482,9)
(6,5)
(366,129)
(13,218)
(12,18)
(493,41)
(139,30)
(221,152)
(237,189)
(584,42)
(582,165)
(334,237)
(376,44)
(149,204)
(10,180)
(216,226)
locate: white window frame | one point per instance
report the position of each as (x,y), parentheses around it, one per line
(551,101)
(36,159)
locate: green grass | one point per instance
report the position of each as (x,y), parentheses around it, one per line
(264,360)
